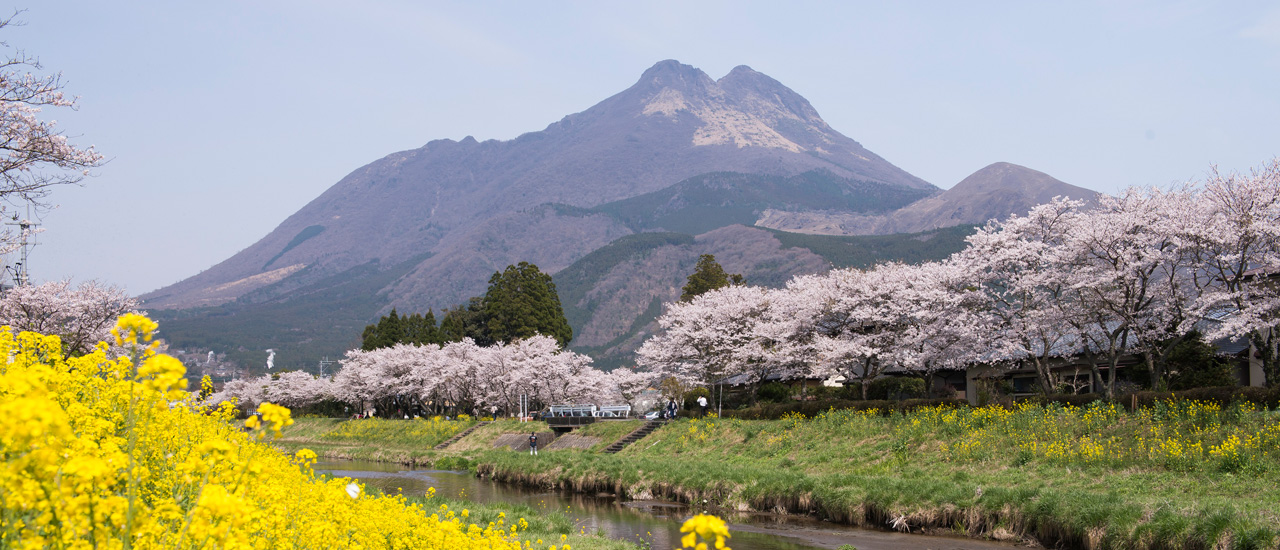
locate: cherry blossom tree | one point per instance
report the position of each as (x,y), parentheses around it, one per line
(408,379)
(629,384)
(939,316)
(725,332)
(82,316)
(1020,309)
(248,393)
(1124,270)
(1236,235)
(296,389)
(35,155)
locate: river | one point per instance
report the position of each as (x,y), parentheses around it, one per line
(655,522)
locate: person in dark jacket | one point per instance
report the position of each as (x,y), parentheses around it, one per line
(533,443)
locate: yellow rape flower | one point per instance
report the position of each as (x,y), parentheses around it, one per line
(275,415)
(132,326)
(706,527)
(162,373)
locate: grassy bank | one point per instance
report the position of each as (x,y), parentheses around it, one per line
(1175,475)
(413,441)
(1181,475)
(382,440)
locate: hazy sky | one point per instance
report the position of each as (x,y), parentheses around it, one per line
(220,119)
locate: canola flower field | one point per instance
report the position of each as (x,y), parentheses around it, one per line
(102,452)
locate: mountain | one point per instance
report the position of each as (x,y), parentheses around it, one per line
(617,202)
(456,199)
(993,192)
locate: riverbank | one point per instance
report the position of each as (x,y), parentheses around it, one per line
(542,527)
(1179,476)
(412,442)
(409,442)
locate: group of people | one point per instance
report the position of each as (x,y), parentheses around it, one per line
(671,410)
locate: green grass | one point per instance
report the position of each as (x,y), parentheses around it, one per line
(402,441)
(922,469)
(608,431)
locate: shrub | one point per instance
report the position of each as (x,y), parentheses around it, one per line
(773,392)
(1222,395)
(896,388)
(691,398)
(775,411)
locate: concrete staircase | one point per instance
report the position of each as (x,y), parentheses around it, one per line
(459,435)
(632,437)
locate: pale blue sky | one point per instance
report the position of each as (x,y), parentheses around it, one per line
(221,119)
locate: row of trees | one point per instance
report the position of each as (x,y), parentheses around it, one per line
(81,315)
(520,302)
(408,379)
(1132,274)
(482,359)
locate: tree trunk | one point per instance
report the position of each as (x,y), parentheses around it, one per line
(1265,346)
(1160,364)
(1042,372)
(866,375)
(1111,377)
(1157,372)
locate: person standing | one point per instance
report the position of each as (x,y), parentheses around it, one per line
(533,443)
(671,409)
(702,403)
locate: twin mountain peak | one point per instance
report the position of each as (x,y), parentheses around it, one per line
(677,165)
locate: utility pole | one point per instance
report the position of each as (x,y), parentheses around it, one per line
(19,270)
(323,362)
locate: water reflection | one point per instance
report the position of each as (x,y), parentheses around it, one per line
(654,522)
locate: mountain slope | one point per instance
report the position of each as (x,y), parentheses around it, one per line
(719,199)
(993,192)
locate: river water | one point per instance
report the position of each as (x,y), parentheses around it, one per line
(655,522)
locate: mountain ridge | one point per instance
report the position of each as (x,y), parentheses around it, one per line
(993,192)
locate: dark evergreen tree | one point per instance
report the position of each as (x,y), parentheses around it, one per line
(421,329)
(1194,363)
(521,302)
(390,330)
(465,321)
(708,276)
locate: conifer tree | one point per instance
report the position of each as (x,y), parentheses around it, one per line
(388,332)
(708,276)
(521,302)
(465,321)
(421,329)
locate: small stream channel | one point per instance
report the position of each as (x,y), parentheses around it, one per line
(655,522)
